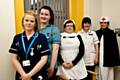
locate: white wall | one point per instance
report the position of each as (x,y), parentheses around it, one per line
(97,8)
(111,8)
(7,30)
(92,9)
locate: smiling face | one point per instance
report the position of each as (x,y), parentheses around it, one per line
(104,25)
(29,22)
(44,16)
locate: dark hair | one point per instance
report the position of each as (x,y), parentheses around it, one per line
(32,13)
(51,21)
(108,23)
(68,21)
(86,20)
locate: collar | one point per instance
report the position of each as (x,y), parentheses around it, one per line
(82,31)
(49,25)
(24,35)
(104,30)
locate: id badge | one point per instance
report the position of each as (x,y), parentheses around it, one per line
(26,63)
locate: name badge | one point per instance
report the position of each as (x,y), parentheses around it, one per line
(26,63)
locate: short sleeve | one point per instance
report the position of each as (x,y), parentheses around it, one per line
(15,45)
(44,45)
(96,40)
(55,35)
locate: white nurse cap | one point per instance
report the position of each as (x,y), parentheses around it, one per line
(104,19)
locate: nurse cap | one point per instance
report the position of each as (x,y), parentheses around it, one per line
(104,19)
(68,20)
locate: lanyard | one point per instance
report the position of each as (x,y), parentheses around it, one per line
(23,44)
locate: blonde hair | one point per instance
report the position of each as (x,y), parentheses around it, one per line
(32,13)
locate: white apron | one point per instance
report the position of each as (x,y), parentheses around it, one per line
(69,50)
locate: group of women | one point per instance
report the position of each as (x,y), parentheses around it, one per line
(41,52)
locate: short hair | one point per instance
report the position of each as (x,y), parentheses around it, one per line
(51,21)
(86,20)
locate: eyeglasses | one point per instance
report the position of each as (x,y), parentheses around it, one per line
(69,25)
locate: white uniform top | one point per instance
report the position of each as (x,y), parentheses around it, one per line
(89,39)
(69,50)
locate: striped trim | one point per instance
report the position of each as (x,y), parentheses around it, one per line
(13,49)
(45,51)
(56,42)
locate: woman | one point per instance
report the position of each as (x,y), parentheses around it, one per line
(29,50)
(71,52)
(90,41)
(109,51)
(52,33)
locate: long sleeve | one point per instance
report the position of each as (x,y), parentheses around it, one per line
(81,51)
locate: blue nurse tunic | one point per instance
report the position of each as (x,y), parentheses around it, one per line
(52,34)
(37,45)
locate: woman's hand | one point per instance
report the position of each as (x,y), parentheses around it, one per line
(67,65)
(26,77)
